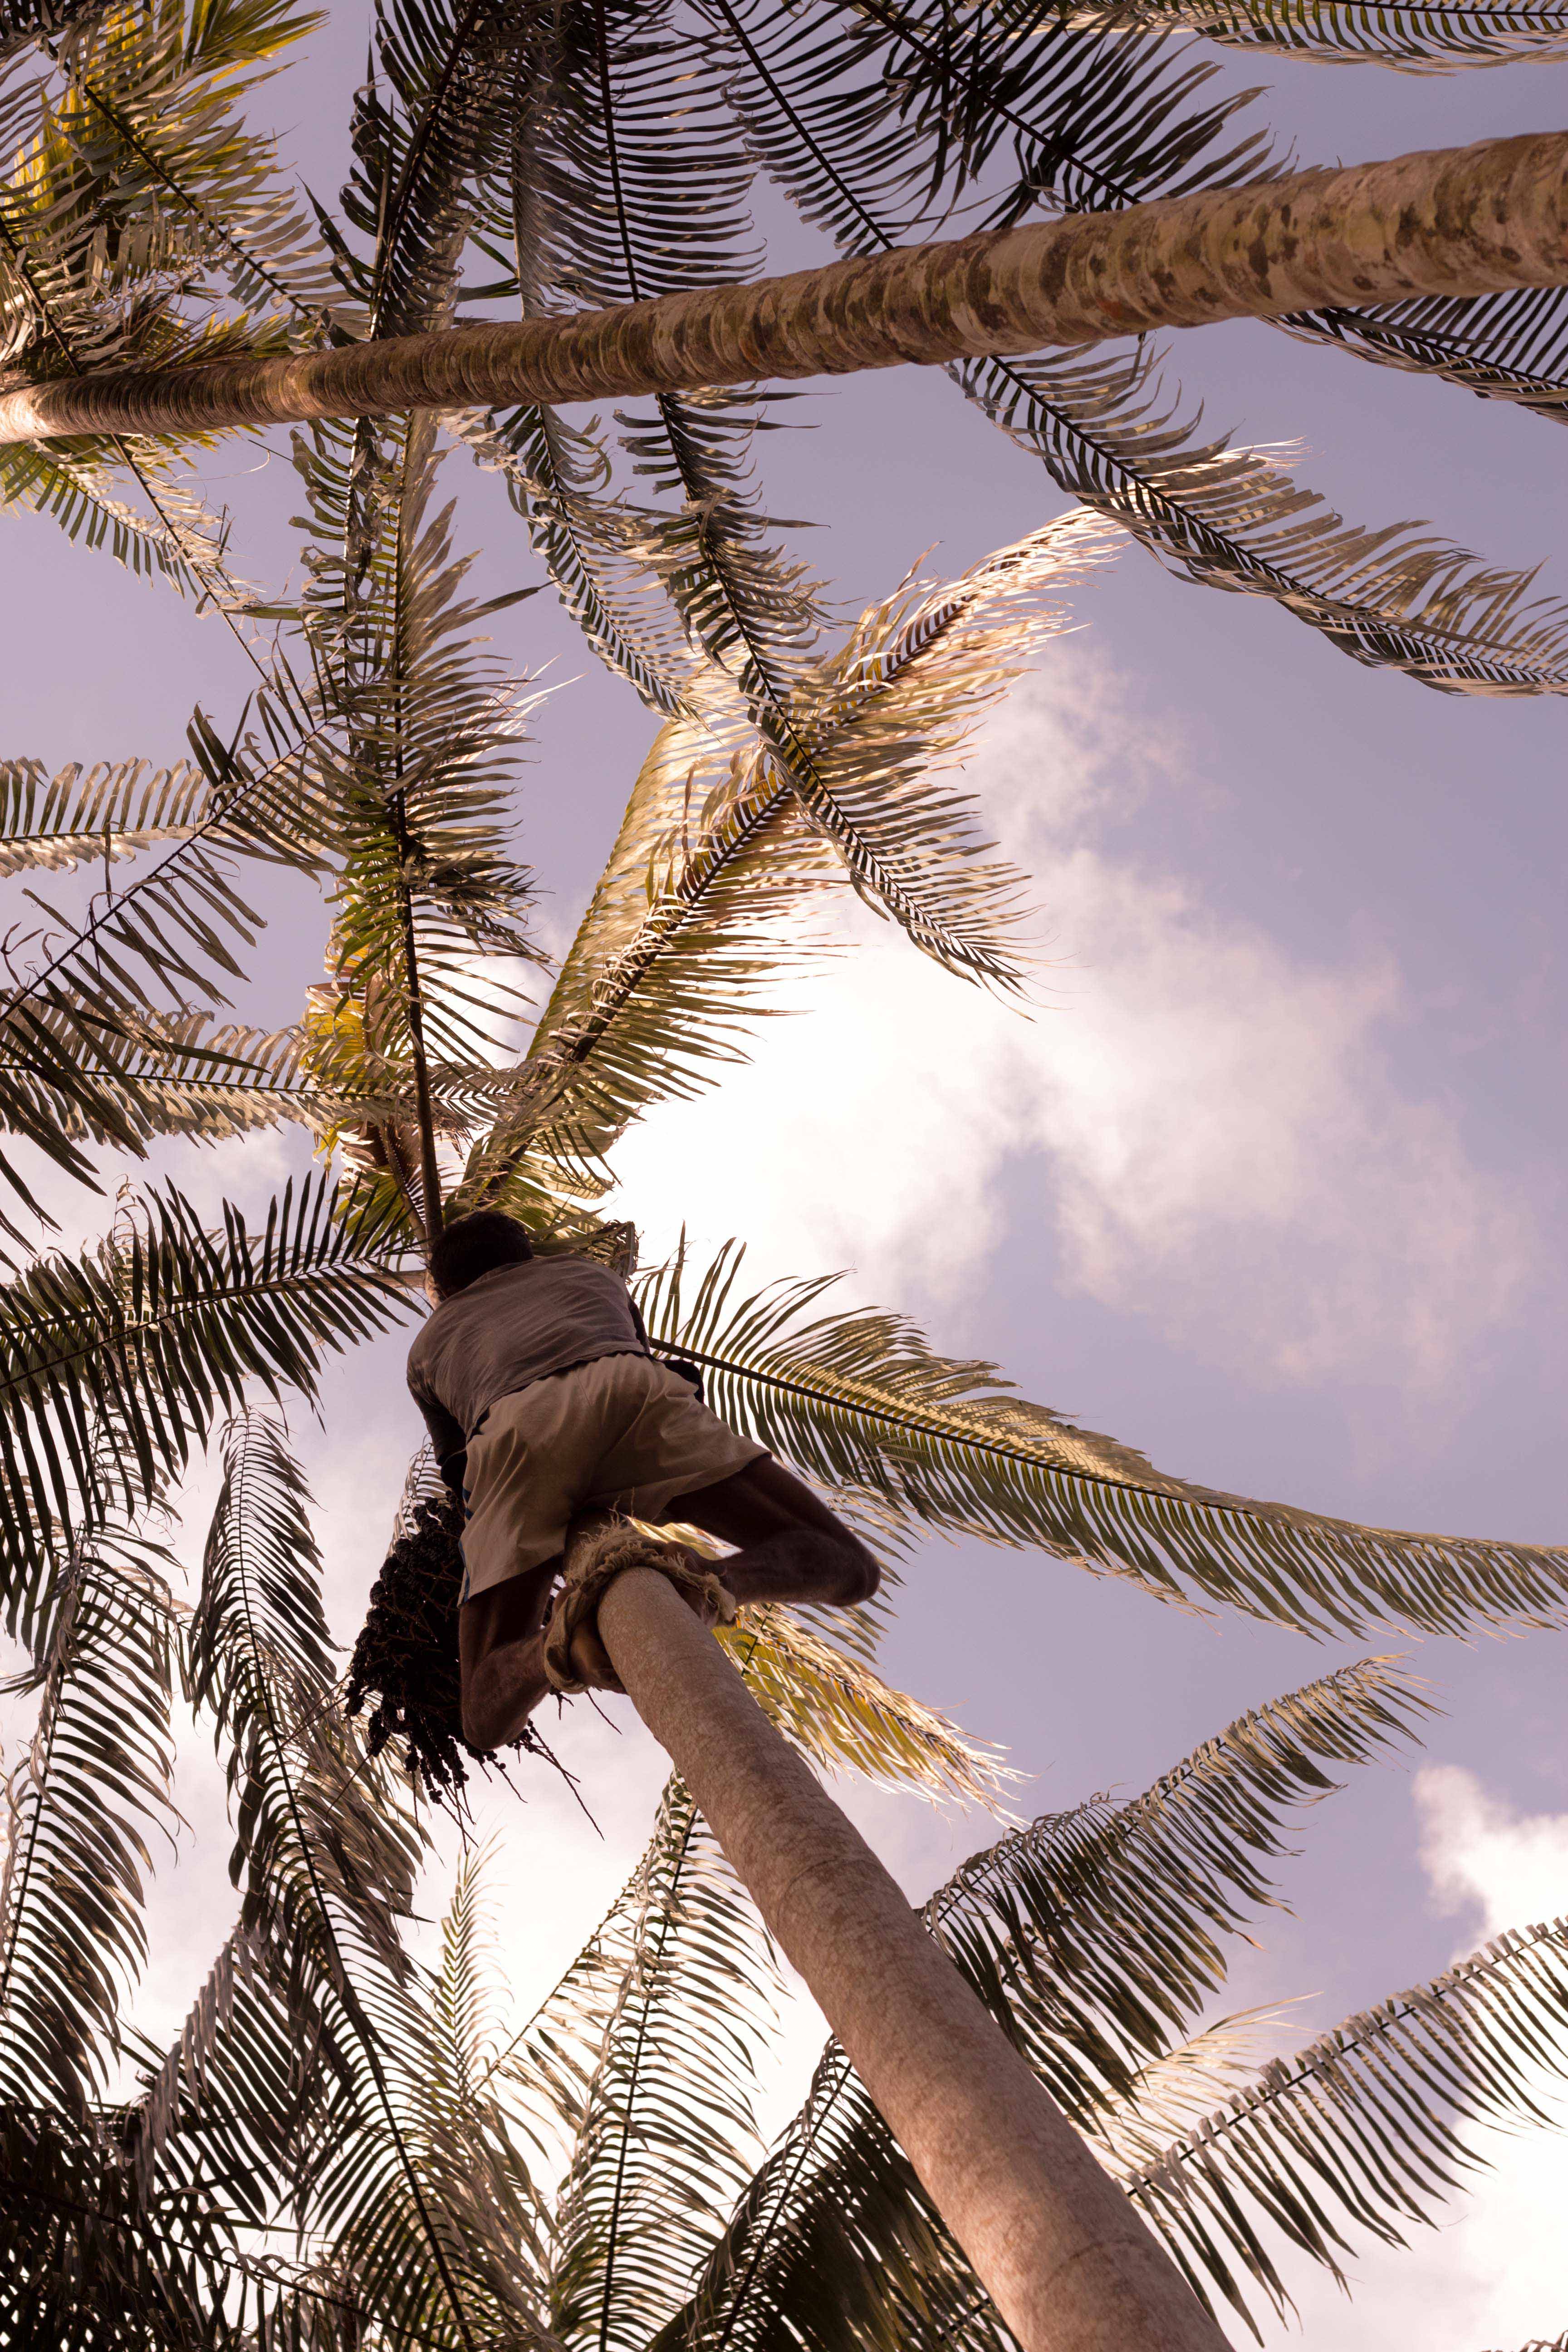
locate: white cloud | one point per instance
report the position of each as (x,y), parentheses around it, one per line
(1500,1868)
(1210,1124)
(1493,2274)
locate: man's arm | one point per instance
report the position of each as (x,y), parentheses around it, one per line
(449,1439)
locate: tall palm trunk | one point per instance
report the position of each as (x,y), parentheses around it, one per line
(1459,222)
(1061,2253)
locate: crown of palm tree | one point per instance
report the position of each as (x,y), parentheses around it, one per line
(343,2146)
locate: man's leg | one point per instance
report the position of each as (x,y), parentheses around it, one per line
(501,1650)
(789,1545)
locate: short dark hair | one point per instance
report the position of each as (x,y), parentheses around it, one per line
(477,1244)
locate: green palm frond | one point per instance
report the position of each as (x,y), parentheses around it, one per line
(114,1365)
(1093,1936)
(93,1788)
(1408,36)
(667,2132)
(1363,2133)
(859,1401)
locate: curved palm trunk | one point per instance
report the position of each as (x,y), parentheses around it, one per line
(1068,2262)
(1461,221)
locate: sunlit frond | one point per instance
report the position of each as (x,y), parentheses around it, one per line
(704,905)
(1170,2092)
(112,810)
(77,489)
(832,1707)
(136,202)
(859,1401)
(395,2171)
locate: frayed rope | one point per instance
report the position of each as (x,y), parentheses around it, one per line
(594,1562)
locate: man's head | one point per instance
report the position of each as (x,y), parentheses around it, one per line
(474,1245)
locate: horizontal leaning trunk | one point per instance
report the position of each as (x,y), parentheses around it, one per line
(1068,2263)
(1460,221)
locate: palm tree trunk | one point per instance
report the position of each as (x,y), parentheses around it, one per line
(1461,221)
(1068,2262)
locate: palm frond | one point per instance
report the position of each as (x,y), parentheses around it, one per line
(1092,1937)
(1421,39)
(112,810)
(154,115)
(1184,2084)
(667,2132)
(1364,2132)
(135,182)
(1397,595)
(23,22)
(430,904)
(77,489)
(834,1709)
(859,1401)
(89,2260)
(329,1855)
(113,1365)
(698,915)
(78,1026)
(93,1788)
(427,127)
(1509,347)
(594,542)
(658,205)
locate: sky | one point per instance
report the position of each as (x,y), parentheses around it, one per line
(1267,1183)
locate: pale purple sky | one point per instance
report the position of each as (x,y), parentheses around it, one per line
(1270,1190)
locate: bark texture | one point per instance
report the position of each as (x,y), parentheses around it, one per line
(1068,2263)
(1459,221)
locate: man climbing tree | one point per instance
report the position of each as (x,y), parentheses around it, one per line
(545,1402)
